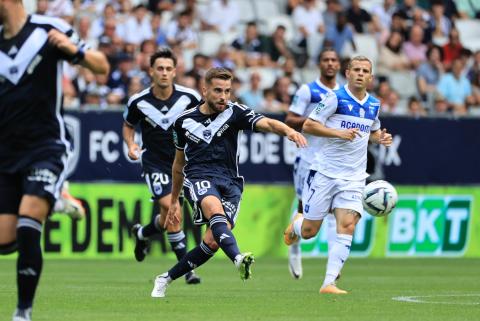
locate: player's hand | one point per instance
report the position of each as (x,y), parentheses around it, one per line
(385,138)
(297,138)
(134,152)
(349,134)
(62,42)
(172,217)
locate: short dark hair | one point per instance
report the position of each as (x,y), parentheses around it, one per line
(325,50)
(218,73)
(163,53)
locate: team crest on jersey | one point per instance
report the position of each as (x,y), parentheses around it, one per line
(361,111)
(207,134)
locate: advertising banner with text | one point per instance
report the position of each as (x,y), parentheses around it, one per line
(428,221)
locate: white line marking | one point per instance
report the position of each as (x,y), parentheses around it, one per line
(419,299)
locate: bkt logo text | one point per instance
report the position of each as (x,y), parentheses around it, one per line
(429,226)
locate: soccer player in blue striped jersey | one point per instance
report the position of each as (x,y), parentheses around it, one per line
(33,143)
(307,97)
(154,110)
(345,121)
(206,163)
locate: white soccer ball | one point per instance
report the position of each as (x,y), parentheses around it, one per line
(379,198)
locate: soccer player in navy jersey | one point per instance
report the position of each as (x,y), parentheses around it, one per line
(33,142)
(154,110)
(206,164)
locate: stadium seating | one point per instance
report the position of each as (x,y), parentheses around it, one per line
(403,82)
(469,30)
(209,42)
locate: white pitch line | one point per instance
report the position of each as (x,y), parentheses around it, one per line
(418,299)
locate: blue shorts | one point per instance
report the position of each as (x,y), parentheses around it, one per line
(159,181)
(228,191)
(40,178)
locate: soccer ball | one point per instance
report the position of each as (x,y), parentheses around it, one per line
(379,198)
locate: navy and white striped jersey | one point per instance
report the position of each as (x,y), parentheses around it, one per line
(155,118)
(210,142)
(31,122)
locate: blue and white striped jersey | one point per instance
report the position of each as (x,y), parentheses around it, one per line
(339,158)
(307,97)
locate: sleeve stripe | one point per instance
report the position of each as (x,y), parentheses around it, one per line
(256,120)
(58,23)
(188,90)
(137,95)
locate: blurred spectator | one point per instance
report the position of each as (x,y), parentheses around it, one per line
(221,15)
(422,19)
(414,48)
(119,80)
(288,70)
(157,30)
(223,58)
(383,13)
(308,20)
(200,66)
(399,23)
(42,7)
(291,5)
(439,23)
(407,8)
(137,27)
(415,108)
(456,89)
(452,49)
(248,49)
(341,76)
(468,9)
(336,36)
(390,104)
(276,46)
(180,32)
(70,96)
(84,31)
(284,90)
(429,73)
(158,6)
(330,13)
(270,104)
(236,86)
(392,57)
(98,93)
(474,77)
(253,95)
(360,19)
(440,105)
(61,9)
(99,24)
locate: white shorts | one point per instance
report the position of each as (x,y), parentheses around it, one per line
(300,172)
(322,194)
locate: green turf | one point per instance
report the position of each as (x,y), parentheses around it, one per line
(120,290)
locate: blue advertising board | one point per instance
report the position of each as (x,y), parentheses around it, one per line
(424,151)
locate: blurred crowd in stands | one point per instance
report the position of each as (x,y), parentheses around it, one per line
(426,54)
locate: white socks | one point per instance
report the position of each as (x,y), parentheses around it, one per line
(297,226)
(331,230)
(337,256)
(140,234)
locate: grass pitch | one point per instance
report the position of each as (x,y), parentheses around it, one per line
(119,290)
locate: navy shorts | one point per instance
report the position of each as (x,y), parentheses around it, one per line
(40,178)
(159,181)
(228,191)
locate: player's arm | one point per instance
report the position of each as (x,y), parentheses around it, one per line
(315,123)
(294,120)
(381,137)
(128,132)
(274,126)
(91,59)
(177,183)
(297,108)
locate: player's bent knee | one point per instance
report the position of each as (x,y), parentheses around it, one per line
(308,232)
(8,248)
(211,243)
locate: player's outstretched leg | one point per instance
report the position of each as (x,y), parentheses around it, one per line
(291,235)
(69,205)
(22,315)
(178,243)
(244,264)
(295,261)
(29,265)
(142,245)
(193,259)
